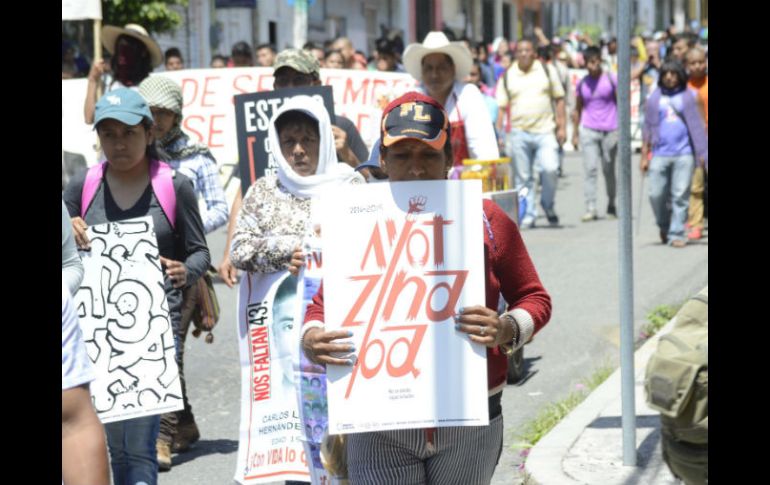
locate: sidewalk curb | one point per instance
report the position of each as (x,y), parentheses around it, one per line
(544,463)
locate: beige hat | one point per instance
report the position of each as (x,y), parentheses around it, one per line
(110,35)
(437,43)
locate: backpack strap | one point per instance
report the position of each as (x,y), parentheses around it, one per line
(161,178)
(550,88)
(94,178)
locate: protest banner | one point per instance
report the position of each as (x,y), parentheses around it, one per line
(412,255)
(269,446)
(209,114)
(125,323)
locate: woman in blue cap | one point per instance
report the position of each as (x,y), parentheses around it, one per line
(128,185)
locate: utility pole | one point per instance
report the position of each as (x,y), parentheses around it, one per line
(300,23)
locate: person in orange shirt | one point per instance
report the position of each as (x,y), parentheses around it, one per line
(699,82)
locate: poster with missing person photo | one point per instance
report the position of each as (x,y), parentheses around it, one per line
(269,447)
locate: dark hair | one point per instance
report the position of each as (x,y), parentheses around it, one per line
(688,37)
(531,40)
(592,52)
(673,65)
(220,57)
(138,71)
(310,45)
(265,46)
(544,52)
(330,52)
(287,288)
(172,52)
(241,49)
(296,117)
(385,46)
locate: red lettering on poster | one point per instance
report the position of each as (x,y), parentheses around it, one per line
(193,84)
(213,131)
(410,248)
(206,91)
(189,124)
(351,94)
(239,86)
(250,142)
(260,354)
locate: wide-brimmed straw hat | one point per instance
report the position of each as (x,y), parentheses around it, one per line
(437,43)
(110,34)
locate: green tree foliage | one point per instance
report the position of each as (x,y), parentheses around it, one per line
(155,16)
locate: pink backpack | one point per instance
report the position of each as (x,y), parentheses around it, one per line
(161,178)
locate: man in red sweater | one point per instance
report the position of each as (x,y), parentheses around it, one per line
(415,145)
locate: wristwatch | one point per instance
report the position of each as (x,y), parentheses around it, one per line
(508,348)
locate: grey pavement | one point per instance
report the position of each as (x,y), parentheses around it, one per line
(586,446)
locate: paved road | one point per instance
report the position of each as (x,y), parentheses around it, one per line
(578,263)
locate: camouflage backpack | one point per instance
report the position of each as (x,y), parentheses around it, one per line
(676,384)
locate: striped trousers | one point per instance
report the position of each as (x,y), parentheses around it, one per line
(462,455)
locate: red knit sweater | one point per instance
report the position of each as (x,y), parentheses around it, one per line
(509,271)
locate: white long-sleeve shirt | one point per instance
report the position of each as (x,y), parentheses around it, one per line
(479,129)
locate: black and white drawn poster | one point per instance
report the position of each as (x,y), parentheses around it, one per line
(125,322)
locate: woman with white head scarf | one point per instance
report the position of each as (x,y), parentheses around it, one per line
(275,221)
(275,217)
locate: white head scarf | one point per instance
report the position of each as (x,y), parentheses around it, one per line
(329,172)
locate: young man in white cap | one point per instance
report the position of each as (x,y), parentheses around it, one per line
(441,67)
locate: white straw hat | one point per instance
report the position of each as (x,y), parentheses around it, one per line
(437,43)
(110,34)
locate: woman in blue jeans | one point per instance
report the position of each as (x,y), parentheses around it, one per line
(675,135)
(126,190)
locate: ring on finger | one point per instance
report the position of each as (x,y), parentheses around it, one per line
(483,330)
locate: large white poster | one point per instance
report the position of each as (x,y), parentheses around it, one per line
(269,447)
(125,322)
(405,257)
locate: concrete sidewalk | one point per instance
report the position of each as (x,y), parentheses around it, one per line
(586,447)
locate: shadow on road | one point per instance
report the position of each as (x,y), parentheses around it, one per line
(205,447)
(527,373)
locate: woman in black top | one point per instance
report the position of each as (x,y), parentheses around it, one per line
(123,123)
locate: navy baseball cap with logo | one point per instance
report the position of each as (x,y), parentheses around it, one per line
(125,105)
(415,116)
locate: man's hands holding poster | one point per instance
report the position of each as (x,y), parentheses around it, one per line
(483,325)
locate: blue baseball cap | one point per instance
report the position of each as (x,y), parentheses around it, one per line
(374,157)
(125,105)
